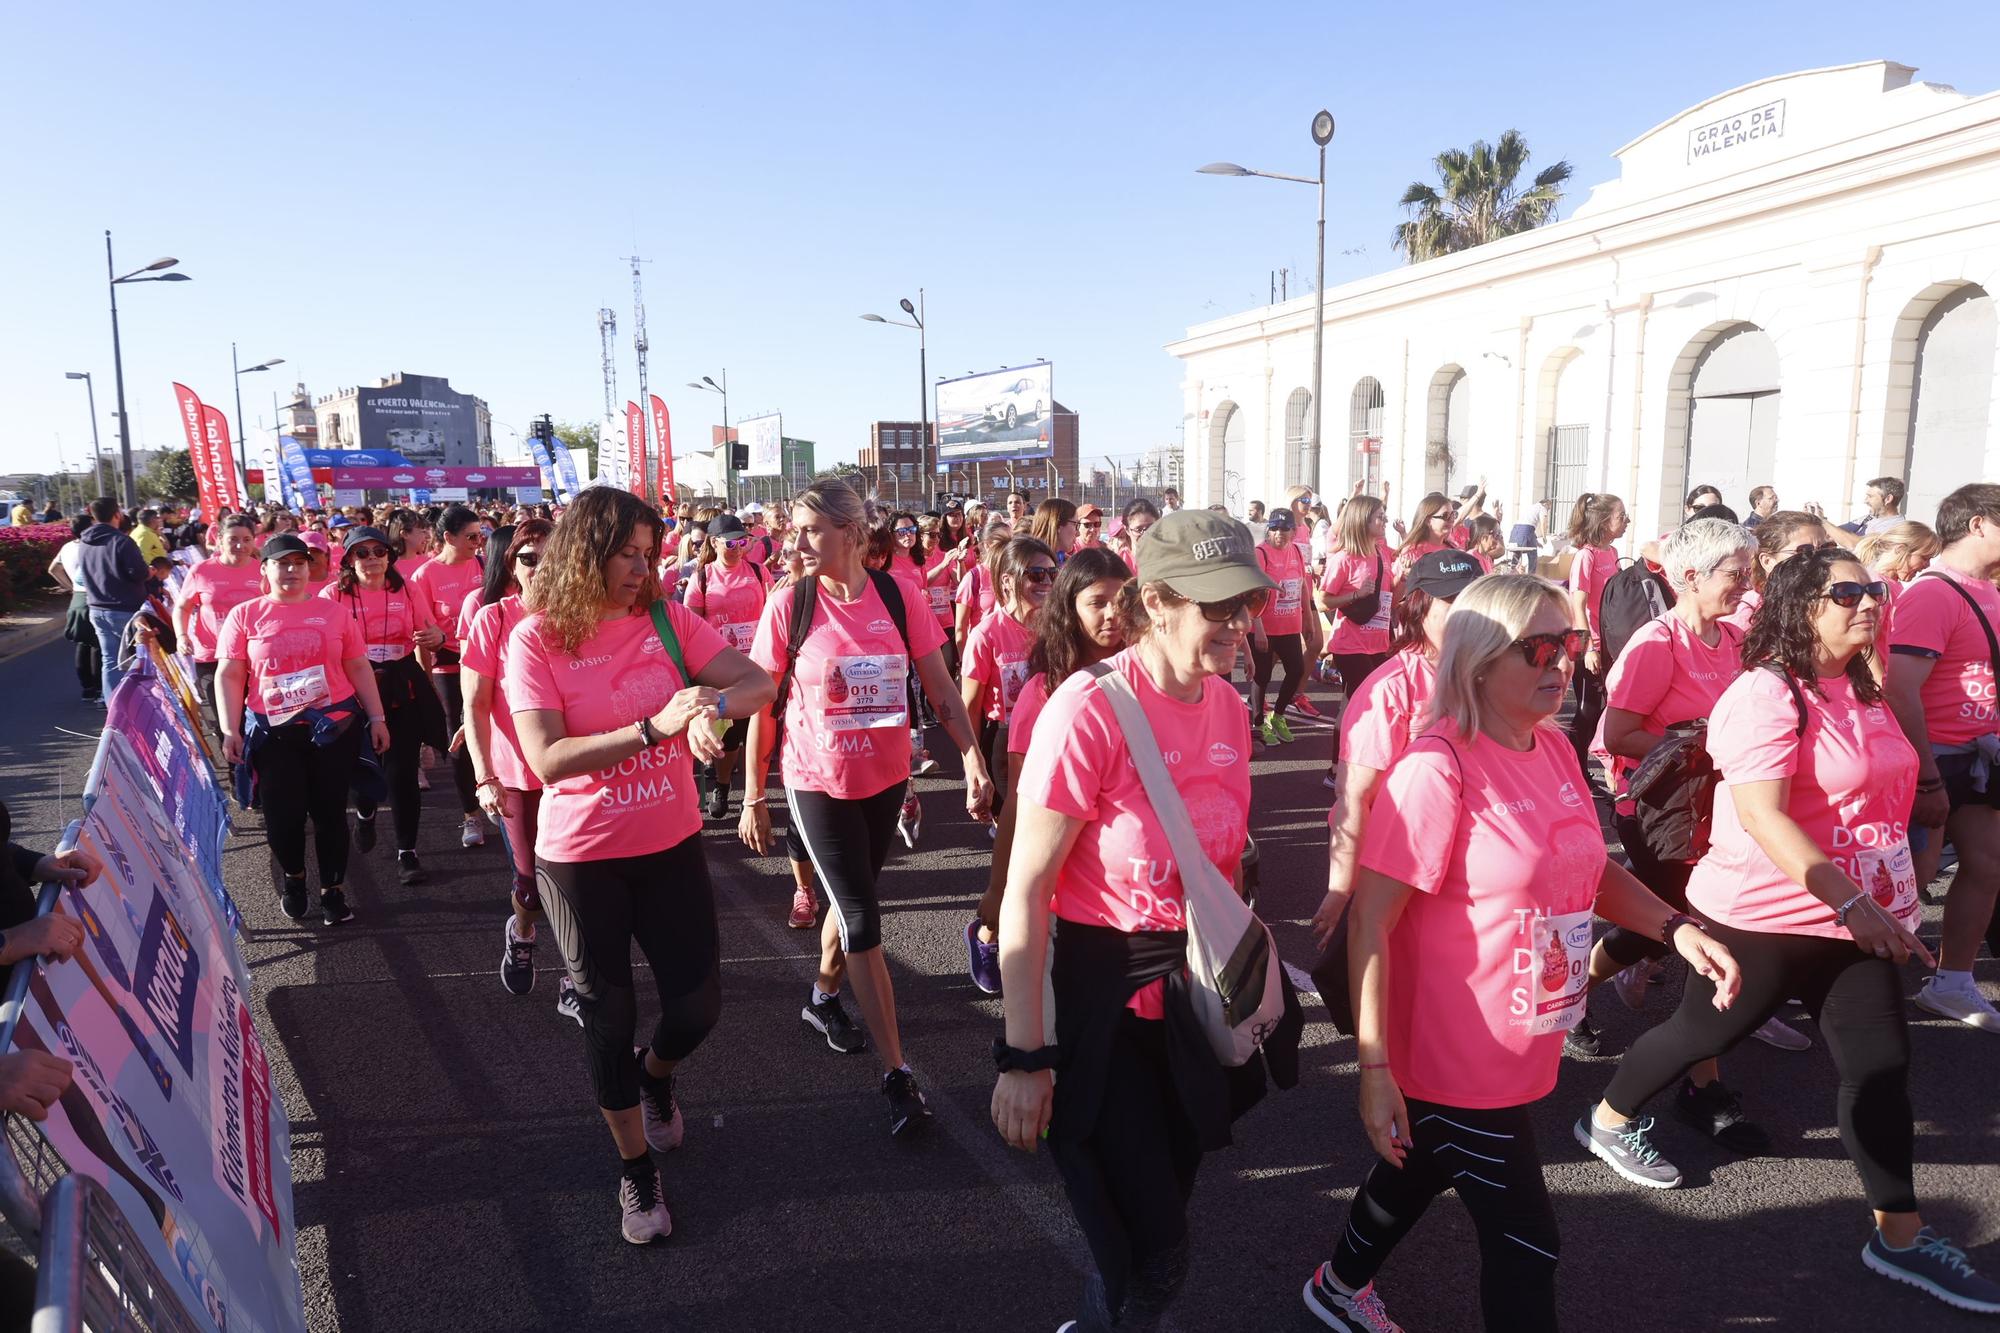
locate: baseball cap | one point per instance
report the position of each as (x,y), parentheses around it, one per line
(285,543)
(754,507)
(1203,556)
(1444,573)
(726,525)
(318,541)
(1088,511)
(360,537)
(343,521)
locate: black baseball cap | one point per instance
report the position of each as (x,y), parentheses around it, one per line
(284,544)
(1444,573)
(358,537)
(726,525)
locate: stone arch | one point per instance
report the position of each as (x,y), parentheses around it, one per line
(1560,469)
(1941,393)
(1723,399)
(1227,456)
(1447,426)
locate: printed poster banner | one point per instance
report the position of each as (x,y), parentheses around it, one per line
(611,453)
(265,446)
(764,437)
(189,408)
(575,470)
(1000,414)
(663,431)
(402,478)
(635,444)
(298,473)
(545,463)
(172,1109)
(221,462)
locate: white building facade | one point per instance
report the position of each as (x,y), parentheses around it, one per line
(1787,284)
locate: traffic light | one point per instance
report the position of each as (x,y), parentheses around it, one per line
(739,457)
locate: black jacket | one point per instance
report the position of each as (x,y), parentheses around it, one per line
(114,573)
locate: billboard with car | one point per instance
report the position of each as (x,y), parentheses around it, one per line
(1000,414)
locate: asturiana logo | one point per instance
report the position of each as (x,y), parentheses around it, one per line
(1222,754)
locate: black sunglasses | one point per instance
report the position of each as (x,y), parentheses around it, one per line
(370,552)
(1040,574)
(1279,523)
(1847,595)
(1221,613)
(1541,651)
(528,558)
(1814,548)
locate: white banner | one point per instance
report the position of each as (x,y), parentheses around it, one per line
(613,453)
(765,437)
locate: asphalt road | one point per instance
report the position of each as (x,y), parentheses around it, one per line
(451,1173)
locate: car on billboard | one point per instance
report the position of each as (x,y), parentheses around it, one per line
(1017,401)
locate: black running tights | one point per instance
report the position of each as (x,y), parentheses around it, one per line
(1355,668)
(848,842)
(296,781)
(1288,649)
(664,902)
(1857,1001)
(1589,710)
(1489,1157)
(400,764)
(1129,1181)
(1669,882)
(451,689)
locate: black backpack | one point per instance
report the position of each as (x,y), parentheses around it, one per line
(805,603)
(1673,788)
(1631,597)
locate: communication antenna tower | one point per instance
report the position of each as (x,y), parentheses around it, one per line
(639,346)
(607,333)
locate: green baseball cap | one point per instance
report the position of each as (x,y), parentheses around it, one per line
(1202,555)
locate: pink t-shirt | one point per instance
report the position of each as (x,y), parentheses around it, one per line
(467,609)
(1021,727)
(1933,621)
(297,653)
(645,803)
(1348,574)
(388,620)
(1121,871)
(1285,614)
(445,588)
(1410,552)
(1386,711)
(847,723)
(408,568)
(1485,979)
(485,650)
(996,655)
(1666,675)
(1745,612)
(1853,776)
(976,587)
(732,600)
(908,576)
(1589,571)
(937,583)
(217,589)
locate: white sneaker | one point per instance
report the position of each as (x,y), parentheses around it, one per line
(470,834)
(643,1208)
(1967,1006)
(664,1125)
(423,780)
(1783,1036)
(910,820)
(1631,984)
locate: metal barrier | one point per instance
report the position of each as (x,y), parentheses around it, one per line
(95,1274)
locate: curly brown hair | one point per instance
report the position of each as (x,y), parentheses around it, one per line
(1782,635)
(569,588)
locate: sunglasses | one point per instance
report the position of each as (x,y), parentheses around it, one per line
(371,552)
(1221,613)
(1541,651)
(1847,595)
(1040,574)
(1092,523)
(529,559)
(906,532)
(1282,523)
(1814,548)
(735,543)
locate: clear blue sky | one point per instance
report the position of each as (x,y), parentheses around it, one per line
(369,188)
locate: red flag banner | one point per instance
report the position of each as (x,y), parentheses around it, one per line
(635,441)
(664,433)
(190,409)
(221,462)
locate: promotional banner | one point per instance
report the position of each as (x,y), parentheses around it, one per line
(635,444)
(265,448)
(545,463)
(221,461)
(663,435)
(612,453)
(401,478)
(299,481)
(578,473)
(765,438)
(189,408)
(349,495)
(172,1108)
(998,415)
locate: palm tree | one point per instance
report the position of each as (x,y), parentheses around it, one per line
(1478,203)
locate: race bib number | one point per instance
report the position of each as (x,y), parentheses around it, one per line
(387,652)
(739,635)
(1560,961)
(290,693)
(940,600)
(1890,877)
(1290,593)
(863,693)
(1013,675)
(1380,620)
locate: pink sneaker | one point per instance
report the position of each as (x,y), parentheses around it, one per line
(805,909)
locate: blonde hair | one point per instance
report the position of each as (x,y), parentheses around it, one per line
(1484,622)
(1891,551)
(838,504)
(1355,521)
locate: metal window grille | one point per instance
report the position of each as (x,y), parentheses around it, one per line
(1569,465)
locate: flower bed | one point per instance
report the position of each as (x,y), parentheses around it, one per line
(25,553)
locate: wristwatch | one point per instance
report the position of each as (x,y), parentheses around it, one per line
(1674,923)
(1008,1059)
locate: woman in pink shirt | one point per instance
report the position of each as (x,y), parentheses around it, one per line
(396,626)
(444,582)
(1360,580)
(1126,1124)
(1140,515)
(1279,635)
(616,690)
(1596,522)
(727,589)
(843,714)
(1809,882)
(1777,537)
(1078,628)
(977,591)
(996,652)
(1462,992)
(211,590)
(508,790)
(296,699)
(1430,530)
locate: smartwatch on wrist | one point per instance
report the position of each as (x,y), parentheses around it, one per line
(1010,1060)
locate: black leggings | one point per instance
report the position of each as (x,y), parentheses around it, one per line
(297,780)
(401,763)
(1583,723)
(90,670)
(453,693)
(1286,648)
(1129,1181)
(993,749)
(1355,668)
(1489,1157)
(1669,882)
(1857,1001)
(847,842)
(664,902)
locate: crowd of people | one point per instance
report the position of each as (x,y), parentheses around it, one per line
(1786,726)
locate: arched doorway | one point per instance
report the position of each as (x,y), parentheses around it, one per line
(1298,425)
(1562,471)
(1951,399)
(1447,427)
(1364,433)
(1226,457)
(1724,405)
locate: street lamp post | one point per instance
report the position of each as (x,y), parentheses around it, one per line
(708,385)
(118,355)
(1322,134)
(96,447)
(916,321)
(237,380)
